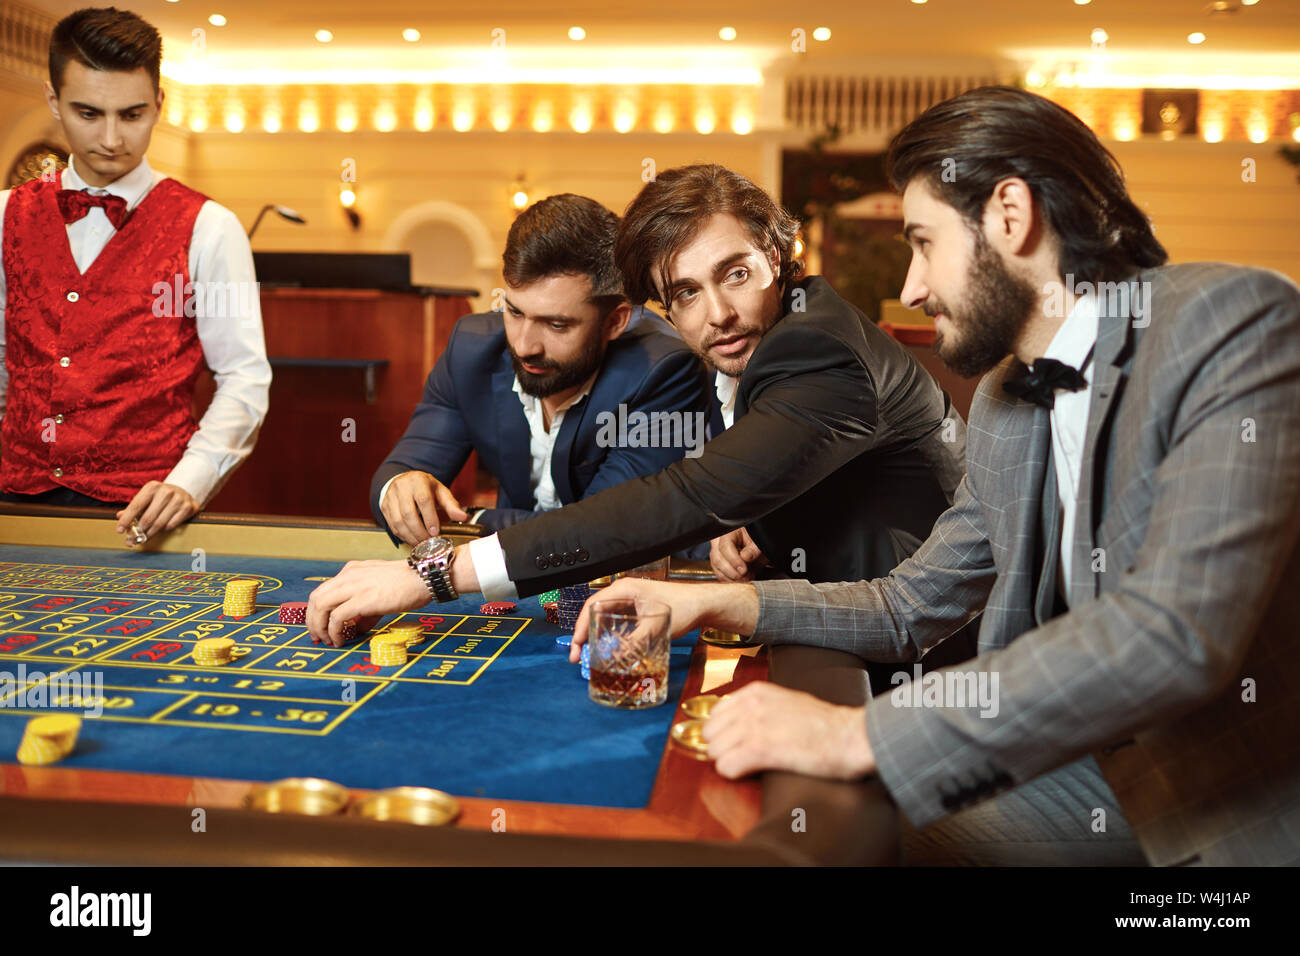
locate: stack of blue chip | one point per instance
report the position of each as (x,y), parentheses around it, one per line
(565,640)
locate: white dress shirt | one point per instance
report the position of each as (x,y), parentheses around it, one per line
(1069,418)
(487,554)
(725,387)
(232,342)
(489,559)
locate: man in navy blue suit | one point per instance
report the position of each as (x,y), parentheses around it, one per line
(567,391)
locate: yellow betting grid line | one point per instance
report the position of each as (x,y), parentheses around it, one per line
(45,679)
(157,718)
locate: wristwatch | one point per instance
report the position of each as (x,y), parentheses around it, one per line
(432,560)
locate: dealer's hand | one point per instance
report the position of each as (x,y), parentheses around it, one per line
(764,726)
(157,507)
(734,556)
(362,589)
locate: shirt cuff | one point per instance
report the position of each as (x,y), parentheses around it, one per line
(383,491)
(196,476)
(490,567)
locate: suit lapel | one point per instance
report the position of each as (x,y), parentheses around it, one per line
(564,450)
(514,439)
(1114,333)
(1049,529)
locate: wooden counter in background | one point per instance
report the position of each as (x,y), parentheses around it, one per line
(324,436)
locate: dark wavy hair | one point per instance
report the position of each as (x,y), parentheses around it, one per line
(564,234)
(669,211)
(986,135)
(104,39)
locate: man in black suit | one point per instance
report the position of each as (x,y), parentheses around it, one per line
(536,388)
(840,449)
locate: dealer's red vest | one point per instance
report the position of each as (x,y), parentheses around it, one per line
(101,366)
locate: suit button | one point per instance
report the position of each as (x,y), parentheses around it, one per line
(58,472)
(58,419)
(542,563)
(582,554)
(73,297)
(570,558)
(65,361)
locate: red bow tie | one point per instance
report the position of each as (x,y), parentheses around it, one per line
(75,203)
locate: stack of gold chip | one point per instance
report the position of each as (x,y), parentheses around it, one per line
(48,738)
(388,649)
(241,597)
(411,634)
(214,651)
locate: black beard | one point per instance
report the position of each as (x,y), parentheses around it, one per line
(560,376)
(996,310)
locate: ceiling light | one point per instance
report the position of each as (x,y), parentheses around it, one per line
(217,20)
(727,33)
(411,35)
(577,33)
(822,33)
(324,36)
(1196,37)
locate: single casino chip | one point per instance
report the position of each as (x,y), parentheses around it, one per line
(497,607)
(48,739)
(293,612)
(564,640)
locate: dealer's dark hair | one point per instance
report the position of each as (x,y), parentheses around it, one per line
(670,210)
(565,235)
(104,39)
(986,135)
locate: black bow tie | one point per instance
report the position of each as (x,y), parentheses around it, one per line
(1038,384)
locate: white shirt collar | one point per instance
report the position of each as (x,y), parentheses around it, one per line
(1077,334)
(132,186)
(724,386)
(530,401)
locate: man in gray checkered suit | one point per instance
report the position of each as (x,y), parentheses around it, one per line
(1128,526)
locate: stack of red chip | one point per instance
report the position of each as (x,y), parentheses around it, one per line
(293,612)
(349,630)
(552,612)
(497,607)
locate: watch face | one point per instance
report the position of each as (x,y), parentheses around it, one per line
(433,548)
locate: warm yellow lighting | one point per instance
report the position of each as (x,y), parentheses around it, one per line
(580,118)
(1082,3)
(1257,130)
(1295,134)
(1123,129)
(822,33)
(1212,131)
(385,118)
(462,117)
(347,198)
(519,200)
(705,121)
(234,121)
(1064,78)
(1197,37)
(423,119)
(664,120)
(918,1)
(217,20)
(624,116)
(543,117)
(411,35)
(1249,3)
(324,36)
(1034,80)
(1099,36)
(501,117)
(271,120)
(727,33)
(577,33)
(199,121)
(798,247)
(308,118)
(345,118)
(741,123)
(175,111)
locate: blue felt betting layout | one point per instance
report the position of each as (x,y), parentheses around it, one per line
(485,706)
